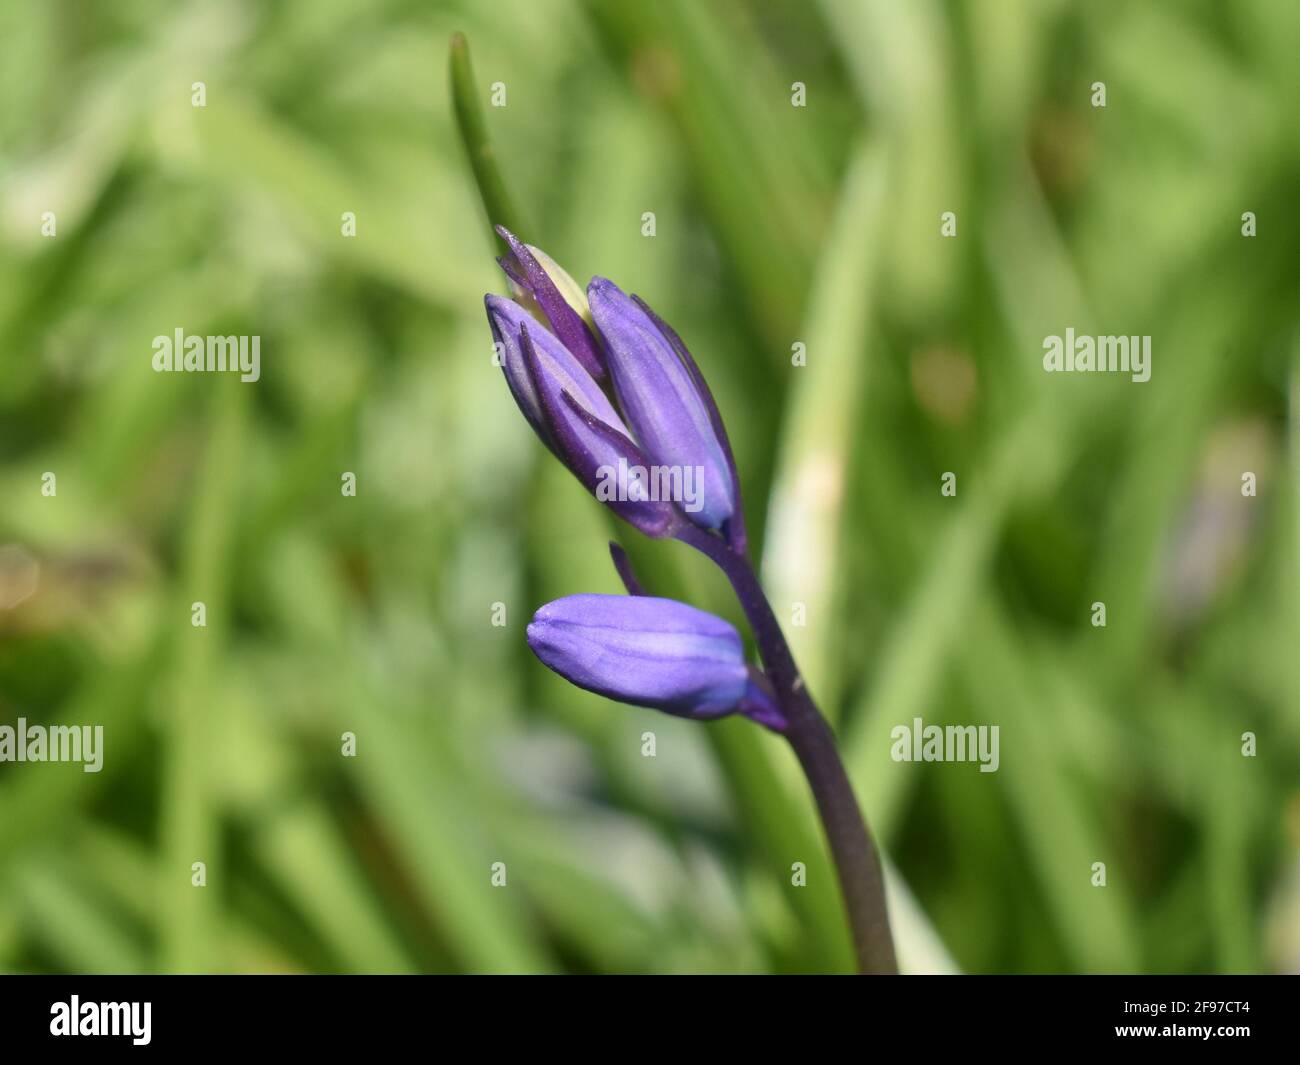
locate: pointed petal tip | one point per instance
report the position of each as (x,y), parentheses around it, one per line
(612,307)
(512,273)
(517,246)
(502,311)
(508,316)
(623,567)
(603,287)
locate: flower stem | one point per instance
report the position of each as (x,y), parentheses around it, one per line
(852,848)
(478,149)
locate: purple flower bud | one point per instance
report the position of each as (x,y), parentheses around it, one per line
(507,318)
(573,417)
(531,276)
(651,652)
(671,415)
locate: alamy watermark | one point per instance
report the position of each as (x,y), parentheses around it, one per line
(1086,354)
(920,742)
(75,1017)
(53,743)
(638,484)
(212,354)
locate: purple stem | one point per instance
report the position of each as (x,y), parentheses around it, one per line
(852,847)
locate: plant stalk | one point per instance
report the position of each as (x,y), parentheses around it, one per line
(857,862)
(478,149)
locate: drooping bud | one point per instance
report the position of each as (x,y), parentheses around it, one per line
(651,652)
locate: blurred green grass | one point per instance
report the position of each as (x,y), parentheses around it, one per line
(775,225)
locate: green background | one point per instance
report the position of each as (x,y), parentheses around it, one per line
(775,225)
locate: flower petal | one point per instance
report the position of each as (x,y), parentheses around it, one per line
(735,526)
(506,318)
(596,449)
(660,400)
(566,322)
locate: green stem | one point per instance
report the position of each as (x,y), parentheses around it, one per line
(473,134)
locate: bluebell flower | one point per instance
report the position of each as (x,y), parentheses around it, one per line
(652,652)
(667,449)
